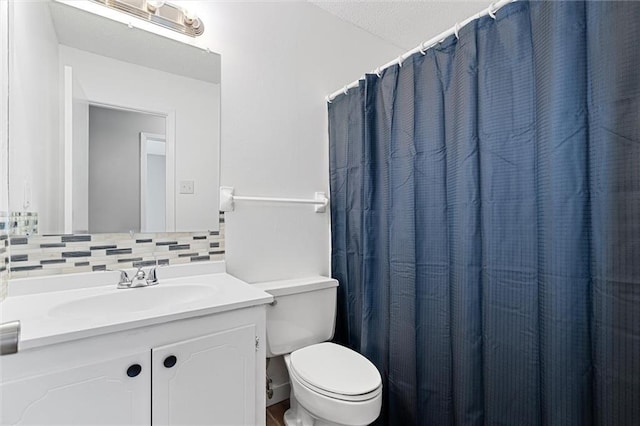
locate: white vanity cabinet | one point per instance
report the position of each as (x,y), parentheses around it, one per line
(202,370)
(206,380)
(100,392)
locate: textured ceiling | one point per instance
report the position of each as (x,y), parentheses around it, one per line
(405,24)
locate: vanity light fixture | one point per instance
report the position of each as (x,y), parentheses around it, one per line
(161,13)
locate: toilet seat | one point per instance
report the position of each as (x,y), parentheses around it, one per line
(332,395)
(336,372)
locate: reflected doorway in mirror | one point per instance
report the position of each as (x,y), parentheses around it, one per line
(153,178)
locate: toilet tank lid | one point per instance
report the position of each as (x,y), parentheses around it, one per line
(298,285)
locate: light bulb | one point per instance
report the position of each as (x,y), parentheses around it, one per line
(189,16)
(154,5)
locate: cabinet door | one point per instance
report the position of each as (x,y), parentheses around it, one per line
(94,394)
(206,381)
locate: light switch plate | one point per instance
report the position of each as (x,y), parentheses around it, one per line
(186,187)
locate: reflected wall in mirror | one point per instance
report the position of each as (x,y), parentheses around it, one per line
(78,162)
(136,142)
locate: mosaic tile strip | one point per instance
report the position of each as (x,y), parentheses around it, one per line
(65,254)
(22,223)
(4,255)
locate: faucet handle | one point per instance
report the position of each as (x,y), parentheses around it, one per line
(152,277)
(124,281)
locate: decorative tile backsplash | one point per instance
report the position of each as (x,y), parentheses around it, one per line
(64,254)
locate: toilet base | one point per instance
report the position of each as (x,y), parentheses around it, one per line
(298,416)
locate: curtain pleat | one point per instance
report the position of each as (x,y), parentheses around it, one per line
(507,157)
(559,33)
(432,326)
(613,60)
(486,221)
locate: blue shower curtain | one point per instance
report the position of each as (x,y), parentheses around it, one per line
(486,221)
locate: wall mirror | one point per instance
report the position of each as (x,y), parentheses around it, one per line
(112,128)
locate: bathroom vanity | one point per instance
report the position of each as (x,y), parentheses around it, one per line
(187,351)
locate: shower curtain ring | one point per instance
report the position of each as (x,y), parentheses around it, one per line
(345,89)
(423,49)
(328,98)
(492,13)
(456,29)
(400,60)
(377,72)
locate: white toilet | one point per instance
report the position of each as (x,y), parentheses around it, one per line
(331,385)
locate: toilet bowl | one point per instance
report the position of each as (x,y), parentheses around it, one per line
(331,385)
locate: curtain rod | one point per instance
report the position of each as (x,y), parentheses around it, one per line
(491,10)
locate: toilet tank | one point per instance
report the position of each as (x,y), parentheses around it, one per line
(303,313)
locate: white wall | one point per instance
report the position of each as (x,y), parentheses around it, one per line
(279,60)
(35,150)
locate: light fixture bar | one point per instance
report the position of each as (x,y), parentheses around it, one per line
(159,12)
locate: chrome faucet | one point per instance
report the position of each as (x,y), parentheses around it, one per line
(139,279)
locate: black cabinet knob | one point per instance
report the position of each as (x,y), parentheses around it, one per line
(170,361)
(134,370)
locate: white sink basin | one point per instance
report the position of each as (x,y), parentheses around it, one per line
(122,301)
(64,308)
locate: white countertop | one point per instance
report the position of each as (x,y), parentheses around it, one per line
(45,319)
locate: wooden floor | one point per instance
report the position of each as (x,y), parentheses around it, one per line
(275,413)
